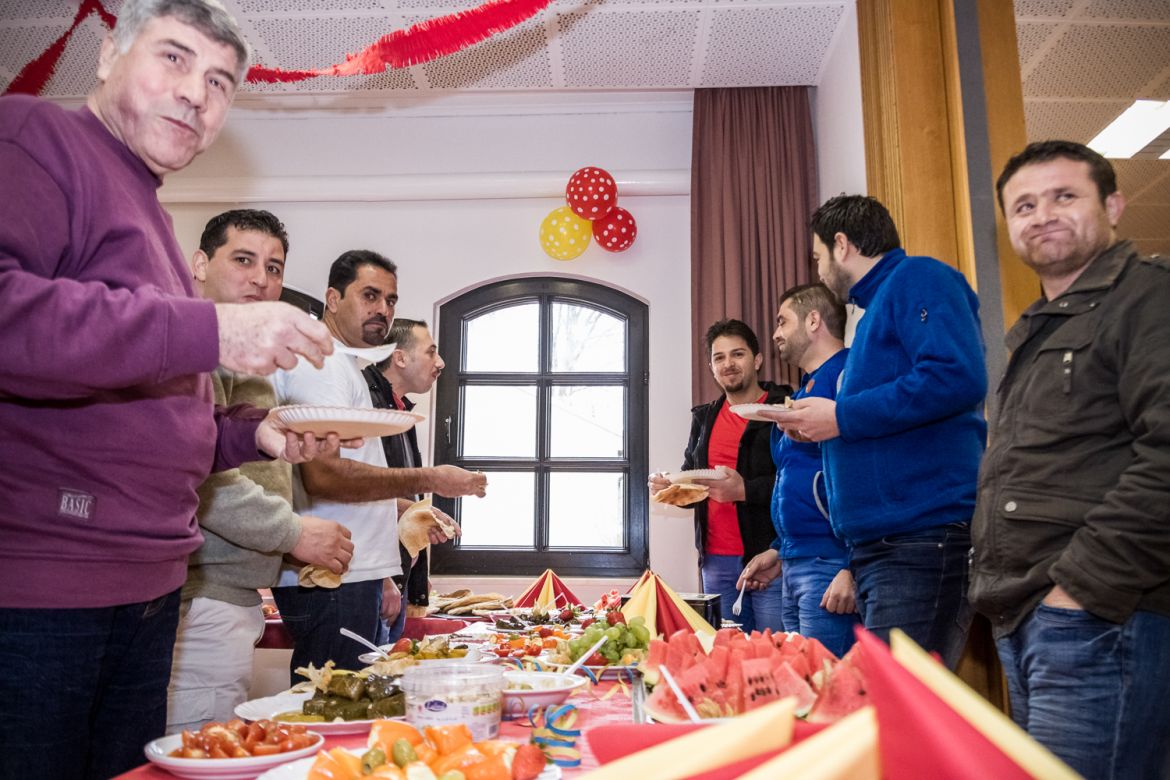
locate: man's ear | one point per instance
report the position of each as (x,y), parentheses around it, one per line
(399,358)
(1114,206)
(813,321)
(841,243)
(332,299)
(106,57)
(199,262)
(759,360)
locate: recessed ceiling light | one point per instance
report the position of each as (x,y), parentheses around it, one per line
(1129,133)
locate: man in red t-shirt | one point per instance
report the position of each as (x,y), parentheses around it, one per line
(735,523)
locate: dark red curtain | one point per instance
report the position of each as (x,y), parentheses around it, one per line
(753,189)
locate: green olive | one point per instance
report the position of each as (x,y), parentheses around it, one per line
(403,752)
(372,759)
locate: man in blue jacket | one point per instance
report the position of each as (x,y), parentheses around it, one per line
(817,591)
(903,439)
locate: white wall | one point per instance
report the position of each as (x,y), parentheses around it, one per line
(447,245)
(837,117)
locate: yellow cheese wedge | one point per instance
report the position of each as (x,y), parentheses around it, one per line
(847,750)
(999,729)
(761,731)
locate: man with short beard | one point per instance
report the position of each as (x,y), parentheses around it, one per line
(355,489)
(1072,526)
(817,585)
(903,439)
(734,524)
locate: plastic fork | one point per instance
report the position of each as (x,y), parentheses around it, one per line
(737,607)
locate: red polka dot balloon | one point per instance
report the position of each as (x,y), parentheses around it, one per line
(616,231)
(591,193)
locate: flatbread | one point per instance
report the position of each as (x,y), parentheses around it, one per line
(415,523)
(313,576)
(681,494)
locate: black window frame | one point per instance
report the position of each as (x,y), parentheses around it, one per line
(633,558)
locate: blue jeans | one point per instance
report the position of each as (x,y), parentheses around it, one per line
(84,689)
(315,616)
(761,608)
(1093,692)
(917,582)
(805,582)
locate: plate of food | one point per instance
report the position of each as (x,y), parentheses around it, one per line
(752,411)
(407,652)
(346,422)
(523,690)
(299,770)
(332,702)
(690,475)
(253,747)
(681,494)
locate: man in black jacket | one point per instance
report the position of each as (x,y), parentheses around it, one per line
(413,367)
(1072,522)
(734,524)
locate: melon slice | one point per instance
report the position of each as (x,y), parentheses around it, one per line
(759,688)
(841,694)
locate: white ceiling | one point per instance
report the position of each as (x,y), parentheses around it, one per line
(1082,61)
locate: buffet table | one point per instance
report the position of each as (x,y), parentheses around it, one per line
(596,705)
(276,636)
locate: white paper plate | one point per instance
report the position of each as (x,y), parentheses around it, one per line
(270,706)
(602,672)
(369,354)
(299,770)
(682,477)
(752,411)
(473,656)
(221,768)
(551,688)
(346,422)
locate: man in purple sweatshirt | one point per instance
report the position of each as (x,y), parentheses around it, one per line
(107,422)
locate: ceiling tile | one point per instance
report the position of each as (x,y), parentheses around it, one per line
(517,59)
(22,43)
(1141,10)
(627,48)
(76,73)
(1070,121)
(1031,36)
(1143,221)
(738,34)
(316,7)
(1043,8)
(1100,61)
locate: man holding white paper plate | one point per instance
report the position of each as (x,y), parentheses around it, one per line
(245,514)
(356,488)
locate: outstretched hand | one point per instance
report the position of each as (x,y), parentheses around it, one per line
(258,338)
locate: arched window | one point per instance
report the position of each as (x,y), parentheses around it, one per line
(545,392)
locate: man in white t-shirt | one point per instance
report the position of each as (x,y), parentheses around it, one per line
(355,489)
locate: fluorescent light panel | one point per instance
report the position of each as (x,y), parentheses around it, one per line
(1131,132)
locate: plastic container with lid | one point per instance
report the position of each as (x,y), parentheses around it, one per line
(460,693)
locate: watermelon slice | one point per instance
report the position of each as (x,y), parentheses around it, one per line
(655,657)
(841,694)
(759,688)
(789,683)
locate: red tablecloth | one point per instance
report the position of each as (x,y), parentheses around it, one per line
(596,705)
(276,636)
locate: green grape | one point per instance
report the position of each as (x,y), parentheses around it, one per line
(642,634)
(613,633)
(637,620)
(630,640)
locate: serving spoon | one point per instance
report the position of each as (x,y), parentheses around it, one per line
(362,640)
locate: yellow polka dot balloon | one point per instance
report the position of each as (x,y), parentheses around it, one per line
(564,235)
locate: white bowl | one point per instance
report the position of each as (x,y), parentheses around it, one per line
(547,688)
(158,752)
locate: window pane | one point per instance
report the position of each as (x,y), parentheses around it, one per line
(586,510)
(587,422)
(587,339)
(505,339)
(505,516)
(499,421)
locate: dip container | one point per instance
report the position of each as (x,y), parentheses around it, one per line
(459,693)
